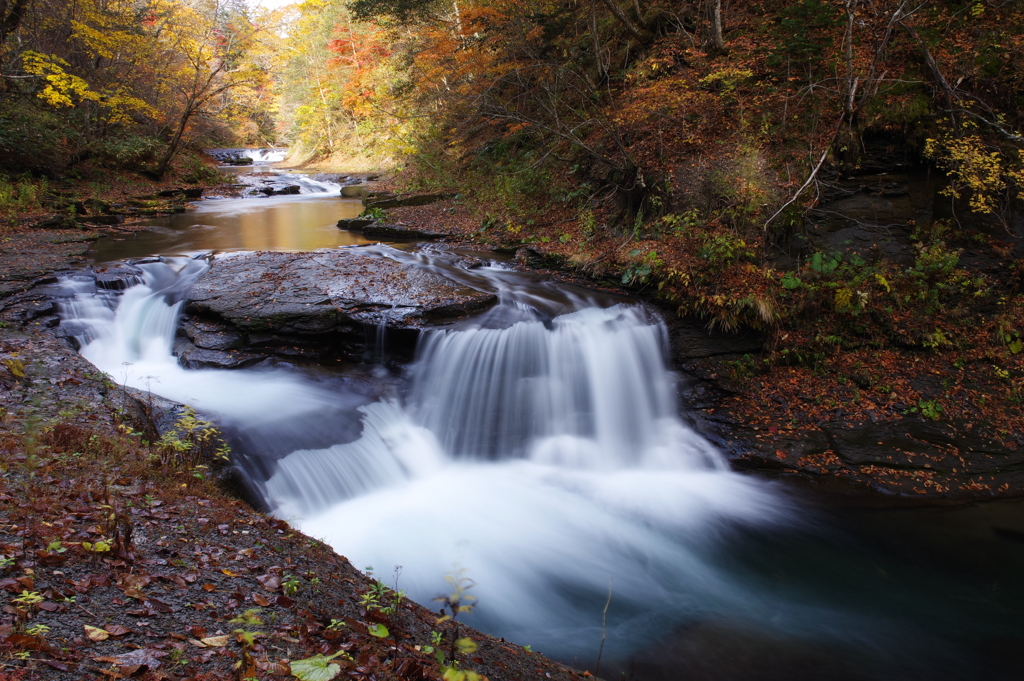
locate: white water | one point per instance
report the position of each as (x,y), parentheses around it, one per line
(258,156)
(544,456)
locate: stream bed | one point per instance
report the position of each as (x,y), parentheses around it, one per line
(537,449)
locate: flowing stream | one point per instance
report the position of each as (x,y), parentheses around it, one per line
(538,450)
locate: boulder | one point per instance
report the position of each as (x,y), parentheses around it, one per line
(115,276)
(315,305)
(385,201)
(355,224)
(280,191)
(398,232)
(354,191)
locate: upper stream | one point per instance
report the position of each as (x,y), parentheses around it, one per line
(539,448)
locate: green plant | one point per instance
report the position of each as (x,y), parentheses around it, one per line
(28,599)
(724,249)
(641,270)
(823,264)
(930,409)
(190,442)
(382,599)
(459,601)
(935,261)
(246,635)
(291,585)
(318,668)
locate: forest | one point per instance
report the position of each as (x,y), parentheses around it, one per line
(699,152)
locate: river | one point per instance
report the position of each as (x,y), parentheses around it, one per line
(537,449)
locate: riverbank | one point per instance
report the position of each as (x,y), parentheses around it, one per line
(887,395)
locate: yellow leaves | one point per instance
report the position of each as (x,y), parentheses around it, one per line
(16,367)
(96,634)
(844,298)
(62,89)
(727,79)
(973,167)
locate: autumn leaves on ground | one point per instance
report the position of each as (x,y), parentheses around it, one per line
(119,559)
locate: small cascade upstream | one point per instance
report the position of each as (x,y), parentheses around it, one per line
(258,156)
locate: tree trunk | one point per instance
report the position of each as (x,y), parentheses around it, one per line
(850,90)
(624,20)
(714,10)
(11,18)
(172,148)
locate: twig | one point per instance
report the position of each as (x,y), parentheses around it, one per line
(604,628)
(810,179)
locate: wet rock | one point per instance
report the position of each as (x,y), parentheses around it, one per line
(102,219)
(355,224)
(312,305)
(56,222)
(398,232)
(355,191)
(183,192)
(116,276)
(192,357)
(209,335)
(385,201)
(913,443)
(691,338)
(286,190)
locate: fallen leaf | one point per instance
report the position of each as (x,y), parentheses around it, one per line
(133,592)
(260,600)
(138,658)
(118,630)
(316,668)
(96,634)
(275,668)
(229,573)
(158,605)
(209,587)
(270,582)
(216,641)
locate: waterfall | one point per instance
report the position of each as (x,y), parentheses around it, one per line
(130,336)
(538,446)
(258,156)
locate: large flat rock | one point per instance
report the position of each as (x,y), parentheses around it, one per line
(303,304)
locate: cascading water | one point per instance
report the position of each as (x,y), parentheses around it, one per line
(524,447)
(258,156)
(538,447)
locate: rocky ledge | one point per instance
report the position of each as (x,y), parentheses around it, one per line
(250,307)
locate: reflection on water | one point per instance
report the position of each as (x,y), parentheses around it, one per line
(277,223)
